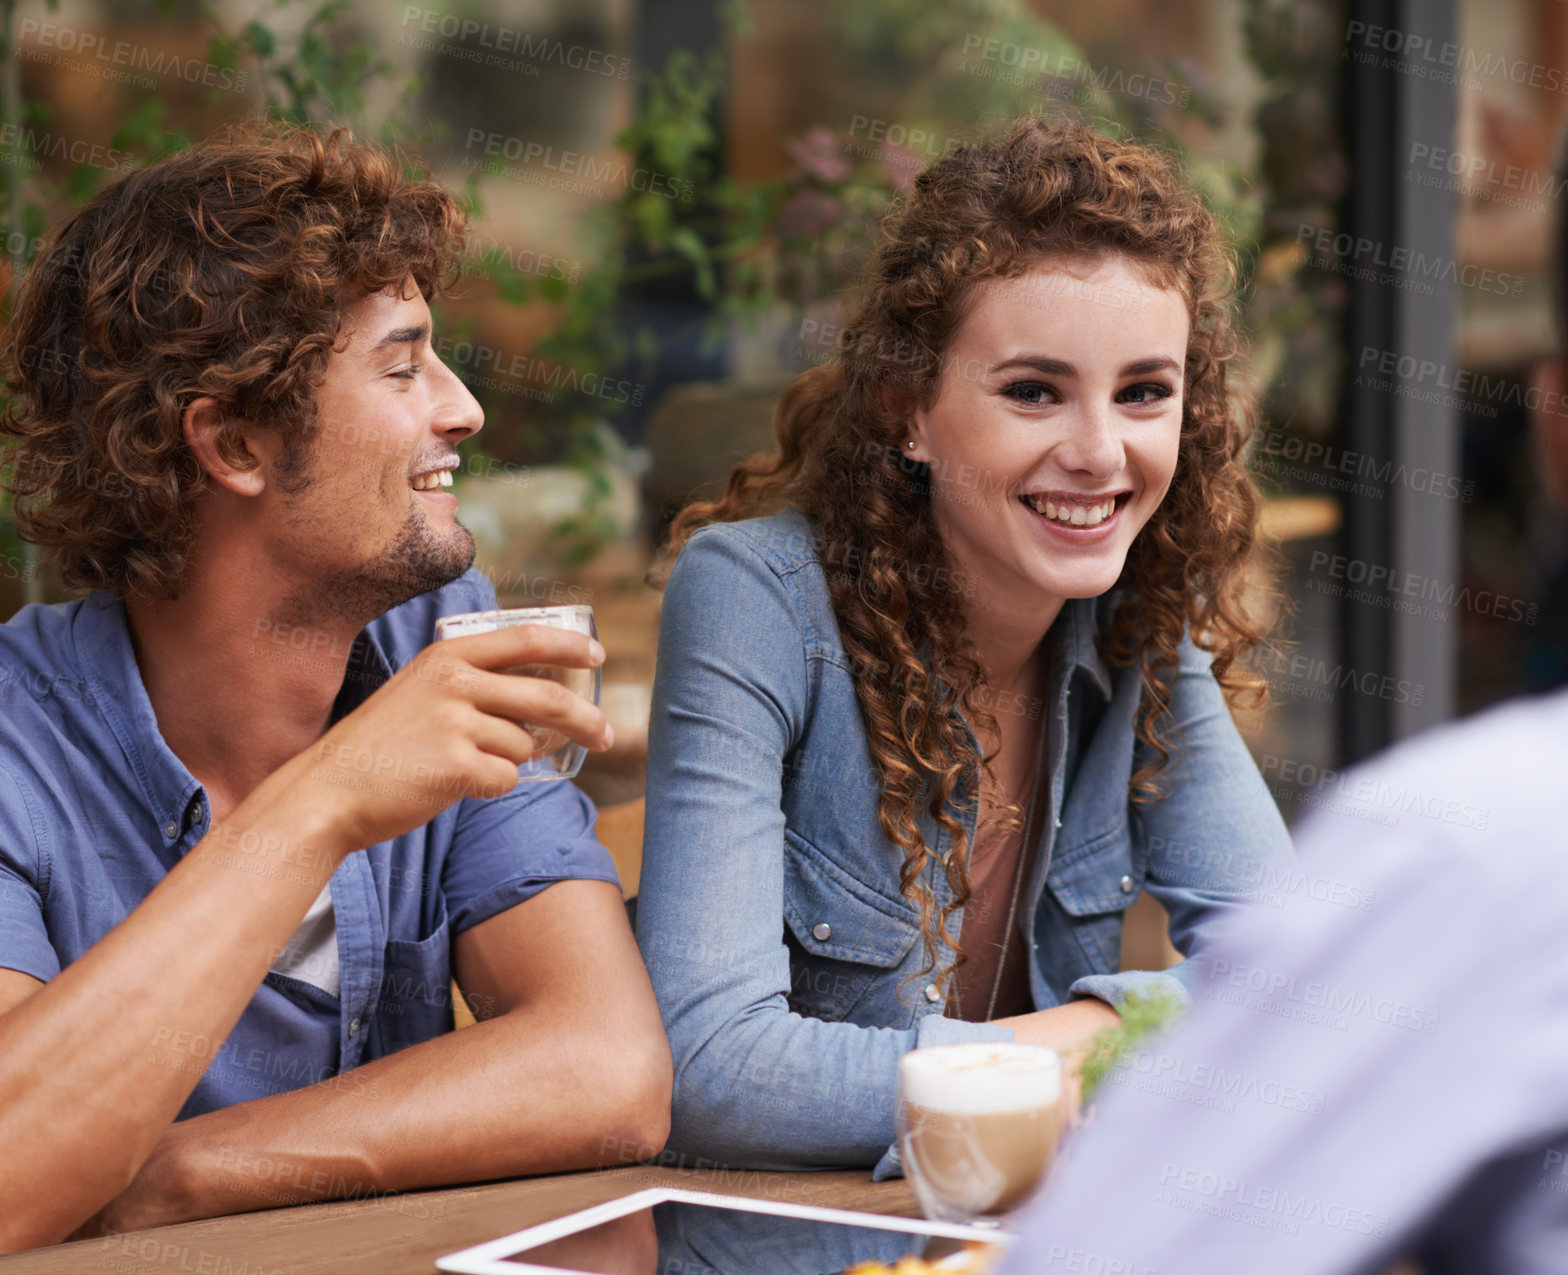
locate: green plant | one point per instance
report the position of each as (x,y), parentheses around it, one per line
(1144,1015)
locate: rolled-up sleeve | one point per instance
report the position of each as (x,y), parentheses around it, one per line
(507,849)
(24,935)
(1215,845)
(756,1084)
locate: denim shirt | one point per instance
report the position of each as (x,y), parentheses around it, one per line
(95,809)
(787,965)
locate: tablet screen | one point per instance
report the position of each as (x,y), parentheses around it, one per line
(682,1238)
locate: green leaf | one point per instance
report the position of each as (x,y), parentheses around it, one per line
(1144,1014)
(82,183)
(261,39)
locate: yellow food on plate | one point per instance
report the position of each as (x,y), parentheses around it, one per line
(976,1259)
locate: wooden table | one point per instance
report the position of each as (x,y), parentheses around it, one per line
(404,1234)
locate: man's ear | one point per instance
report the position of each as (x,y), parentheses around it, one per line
(201,424)
(1549,425)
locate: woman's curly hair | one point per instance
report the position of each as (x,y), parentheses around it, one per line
(993,211)
(225,271)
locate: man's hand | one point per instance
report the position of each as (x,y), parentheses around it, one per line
(450,724)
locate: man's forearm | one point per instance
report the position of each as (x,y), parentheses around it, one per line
(533,1091)
(88,1063)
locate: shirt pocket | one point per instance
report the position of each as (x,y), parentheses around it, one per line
(1094,883)
(841,934)
(416,990)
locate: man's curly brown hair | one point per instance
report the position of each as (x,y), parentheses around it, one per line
(225,271)
(992,211)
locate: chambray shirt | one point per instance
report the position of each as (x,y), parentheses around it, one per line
(1374,1067)
(786,962)
(95,810)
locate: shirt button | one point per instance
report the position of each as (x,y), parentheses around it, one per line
(171,829)
(353,1028)
(822,931)
(932,992)
(1126,885)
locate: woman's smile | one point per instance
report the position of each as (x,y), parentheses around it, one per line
(1054,431)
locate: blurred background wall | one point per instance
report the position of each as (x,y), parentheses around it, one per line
(671,195)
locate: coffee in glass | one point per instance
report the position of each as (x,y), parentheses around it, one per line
(555,756)
(978,1125)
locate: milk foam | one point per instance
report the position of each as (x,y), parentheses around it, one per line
(979,1078)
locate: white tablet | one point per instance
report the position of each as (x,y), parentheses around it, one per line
(673,1232)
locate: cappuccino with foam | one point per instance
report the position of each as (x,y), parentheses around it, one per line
(978,1125)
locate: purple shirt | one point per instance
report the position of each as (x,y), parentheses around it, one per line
(1377,1064)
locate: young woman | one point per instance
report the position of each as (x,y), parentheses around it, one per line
(940,682)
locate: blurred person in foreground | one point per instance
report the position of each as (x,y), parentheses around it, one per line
(250,826)
(1375,1069)
(943,681)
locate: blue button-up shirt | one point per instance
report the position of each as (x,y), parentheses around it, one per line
(95,809)
(786,961)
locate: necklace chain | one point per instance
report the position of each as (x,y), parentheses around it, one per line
(1018,871)
(1012,898)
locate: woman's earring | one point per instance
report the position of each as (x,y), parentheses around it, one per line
(910,444)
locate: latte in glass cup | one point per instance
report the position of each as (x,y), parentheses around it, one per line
(978,1125)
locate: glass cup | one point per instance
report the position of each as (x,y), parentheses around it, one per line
(977,1125)
(555,756)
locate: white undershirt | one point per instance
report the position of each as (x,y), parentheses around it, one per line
(311,955)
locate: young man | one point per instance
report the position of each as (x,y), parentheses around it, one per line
(250,826)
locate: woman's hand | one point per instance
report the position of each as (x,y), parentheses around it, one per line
(1070,1030)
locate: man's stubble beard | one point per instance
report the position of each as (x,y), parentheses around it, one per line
(416,562)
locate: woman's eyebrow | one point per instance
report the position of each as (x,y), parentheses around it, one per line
(1142,367)
(1039,362)
(1060,367)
